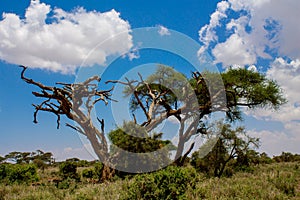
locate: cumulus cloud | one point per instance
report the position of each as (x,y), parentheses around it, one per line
(259,29)
(287,75)
(275,142)
(57,40)
(234,51)
(207,33)
(163,30)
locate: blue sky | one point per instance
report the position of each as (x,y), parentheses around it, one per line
(54,38)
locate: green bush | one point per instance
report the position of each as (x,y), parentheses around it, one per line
(88,173)
(170,183)
(3,171)
(68,183)
(69,170)
(18,173)
(98,167)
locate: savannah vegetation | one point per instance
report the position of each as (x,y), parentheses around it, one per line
(230,158)
(265,178)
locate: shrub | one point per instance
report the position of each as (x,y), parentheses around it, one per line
(18,173)
(88,173)
(68,183)
(170,183)
(98,170)
(69,170)
(3,171)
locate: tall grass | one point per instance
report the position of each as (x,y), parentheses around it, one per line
(273,181)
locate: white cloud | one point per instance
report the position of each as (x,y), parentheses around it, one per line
(252,68)
(287,75)
(163,30)
(207,33)
(275,142)
(65,43)
(234,51)
(263,28)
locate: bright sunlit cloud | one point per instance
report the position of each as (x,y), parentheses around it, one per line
(62,44)
(251,30)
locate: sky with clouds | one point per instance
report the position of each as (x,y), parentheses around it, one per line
(55,38)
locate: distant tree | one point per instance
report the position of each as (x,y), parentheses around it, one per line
(264,158)
(232,144)
(287,157)
(18,157)
(73,160)
(47,157)
(2,159)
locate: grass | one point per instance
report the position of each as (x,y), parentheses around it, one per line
(273,181)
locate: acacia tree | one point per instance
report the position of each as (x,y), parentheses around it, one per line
(232,144)
(166,93)
(76,101)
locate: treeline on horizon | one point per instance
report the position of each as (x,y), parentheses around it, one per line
(47,158)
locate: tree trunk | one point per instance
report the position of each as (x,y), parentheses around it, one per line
(107,173)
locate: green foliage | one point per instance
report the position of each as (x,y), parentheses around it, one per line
(28,157)
(134,138)
(265,159)
(3,171)
(242,88)
(169,183)
(67,183)
(267,181)
(69,170)
(18,173)
(253,88)
(98,167)
(88,173)
(233,148)
(287,157)
(40,164)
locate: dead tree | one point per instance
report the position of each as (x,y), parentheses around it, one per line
(76,101)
